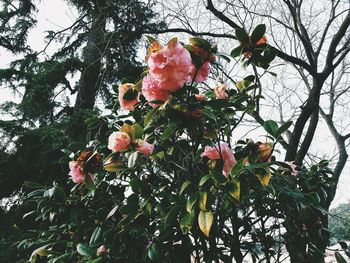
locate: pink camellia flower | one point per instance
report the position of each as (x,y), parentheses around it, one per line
(226,154)
(171,66)
(77,173)
(211,152)
(128,96)
(101,250)
(201,97)
(220,91)
(152,92)
(144,147)
(118,141)
(203,72)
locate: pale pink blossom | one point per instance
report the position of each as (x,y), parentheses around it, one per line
(77,173)
(118,141)
(203,72)
(229,159)
(293,169)
(152,92)
(226,154)
(101,250)
(220,91)
(127,104)
(201,97)
(144,147)
(171,66)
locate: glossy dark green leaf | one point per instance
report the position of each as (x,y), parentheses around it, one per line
(191,201)
(241,35)
(132,159)
(171,216)
(205,221)
(95,236)
(204,179)
(271,127)
(258,32)
(168,132)
(339,257)
(236,51)
(85,250)
(184,186)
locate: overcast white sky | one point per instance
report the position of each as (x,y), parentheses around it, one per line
(55,15)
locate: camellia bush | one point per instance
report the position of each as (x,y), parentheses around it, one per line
(165,182)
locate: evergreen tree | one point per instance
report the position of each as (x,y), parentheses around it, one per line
(98,48)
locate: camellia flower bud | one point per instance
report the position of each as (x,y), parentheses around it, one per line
(144,147)
(264,152)
(101,250)
(201,97)
(220,91)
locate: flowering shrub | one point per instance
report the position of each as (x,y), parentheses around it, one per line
(173,186)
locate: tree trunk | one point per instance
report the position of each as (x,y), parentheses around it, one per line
(90,77)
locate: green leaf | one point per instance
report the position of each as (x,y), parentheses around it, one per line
(236,51)
(96,235)
(219,178)
(241,35)
(154,253)
(271,127)
(89,183)
(62,258)
(129,209)
(187,222)
(339,257)
(258,33)
(284,127)
(184,186)
(138,131)
(85,250)
(200,42)
(204,179)
(191,201)
(149,116)
(234,189)
(171,216)
(208,114)
(94,125)
(269,54)
(132,159)
(151,39)
(238,167)
(112,212)
(113,166)
(224,57)
(343,245)
(168,132)
(243,84)
(205,221)
(203,201)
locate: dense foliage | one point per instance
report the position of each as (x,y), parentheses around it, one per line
(163,181)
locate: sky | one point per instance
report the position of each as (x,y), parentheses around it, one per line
(55,15)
